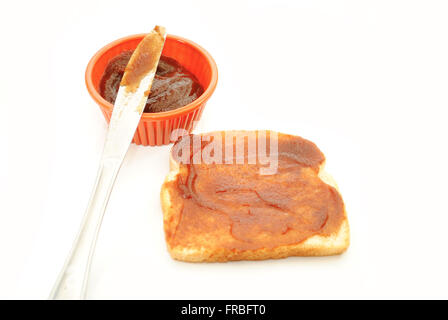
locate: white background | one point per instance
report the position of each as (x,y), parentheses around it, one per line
(365,80)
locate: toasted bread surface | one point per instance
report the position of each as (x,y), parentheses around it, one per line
(207,235)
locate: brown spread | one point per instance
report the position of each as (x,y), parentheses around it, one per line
(173,86)
(149,50)
(236,208)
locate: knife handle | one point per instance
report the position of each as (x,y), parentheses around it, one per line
(73,279)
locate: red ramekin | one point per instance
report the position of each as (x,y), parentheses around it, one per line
(154,129)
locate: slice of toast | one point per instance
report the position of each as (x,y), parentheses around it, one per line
(297,211)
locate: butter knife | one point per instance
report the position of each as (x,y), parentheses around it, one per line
(129,105)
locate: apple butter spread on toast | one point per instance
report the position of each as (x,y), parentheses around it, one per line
(250,195)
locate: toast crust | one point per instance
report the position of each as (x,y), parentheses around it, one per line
(316,245)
